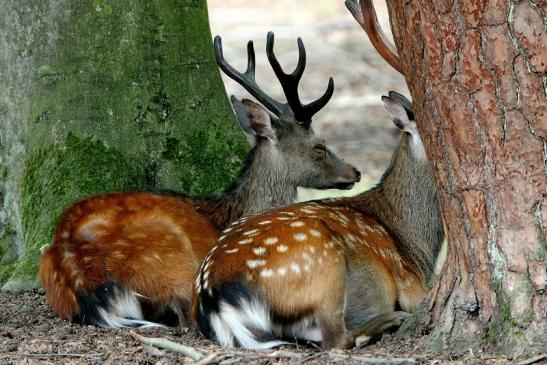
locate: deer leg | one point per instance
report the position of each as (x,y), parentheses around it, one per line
(333,330)
(379,324)
(181,307)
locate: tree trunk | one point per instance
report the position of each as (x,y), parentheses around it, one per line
(477,73)
(100,96)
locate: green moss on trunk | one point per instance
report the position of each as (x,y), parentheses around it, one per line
(108,96)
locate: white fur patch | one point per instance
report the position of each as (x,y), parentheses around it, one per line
(234,322)
(245,241)
(297,224)
(252,264)
(124,311)
(282,248)
(259,250)
(271,241)
(315,232)
(300,237)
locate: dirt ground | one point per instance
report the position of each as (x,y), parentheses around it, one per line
(30,333)
(355,125)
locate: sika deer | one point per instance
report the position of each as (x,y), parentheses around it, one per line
(126,259)
(331,270)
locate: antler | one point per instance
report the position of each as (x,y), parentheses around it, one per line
(366,17)
(289,82)
(247,79)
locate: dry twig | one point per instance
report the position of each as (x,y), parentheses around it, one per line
(169,345)
(28,354)
(533,360)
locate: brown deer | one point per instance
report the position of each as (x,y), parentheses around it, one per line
(330,270)
(127,259)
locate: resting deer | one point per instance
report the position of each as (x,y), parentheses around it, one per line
(330,270)
(126,259)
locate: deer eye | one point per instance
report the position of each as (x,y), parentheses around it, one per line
(320,150)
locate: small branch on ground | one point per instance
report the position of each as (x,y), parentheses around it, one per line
(373,360)
(533,360)
(28,354)
(227,357)
(169,345)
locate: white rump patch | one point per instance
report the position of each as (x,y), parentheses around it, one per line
(235,323)
(124,311)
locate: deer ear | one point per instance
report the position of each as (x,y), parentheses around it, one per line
(254,119)
(399,115)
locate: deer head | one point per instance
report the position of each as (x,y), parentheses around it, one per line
(283,130)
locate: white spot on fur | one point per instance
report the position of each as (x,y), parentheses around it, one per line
(315,232)
(271,241)
(266,273)
(221,238)
(282,248)
(245,241)
(259,250)
(307,210)
(300,237)
(251,232)
(295,268)
(264,222)
(255,263)
(307,267)
(297,224)
(233,250)
(227,230)
(281,271)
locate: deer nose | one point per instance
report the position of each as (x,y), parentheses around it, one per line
(357,173)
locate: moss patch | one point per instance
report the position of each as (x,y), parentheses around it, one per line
(55,177)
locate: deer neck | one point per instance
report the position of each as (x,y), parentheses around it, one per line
(256,189)
(405,202)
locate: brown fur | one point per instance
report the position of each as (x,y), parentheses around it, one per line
(150,243)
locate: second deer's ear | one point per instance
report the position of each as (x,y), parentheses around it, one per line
(399,115)
(254,119)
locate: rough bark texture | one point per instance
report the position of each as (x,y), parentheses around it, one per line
(99,96)
(477,73)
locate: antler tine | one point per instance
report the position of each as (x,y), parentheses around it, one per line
(247,79)
(289,83)
(366,17)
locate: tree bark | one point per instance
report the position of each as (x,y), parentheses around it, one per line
(477,74)
(100,96)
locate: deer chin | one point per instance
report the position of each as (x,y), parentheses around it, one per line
(339,185)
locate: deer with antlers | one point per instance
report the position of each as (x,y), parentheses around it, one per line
(129,259)
(333,271)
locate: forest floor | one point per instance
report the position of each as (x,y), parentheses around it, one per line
(30,333)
